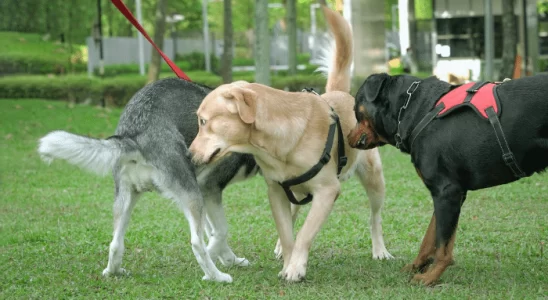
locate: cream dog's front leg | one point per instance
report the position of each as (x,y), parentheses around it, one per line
(322,204)
(281,211)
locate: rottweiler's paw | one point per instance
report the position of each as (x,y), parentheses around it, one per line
(409,268)
(426,279)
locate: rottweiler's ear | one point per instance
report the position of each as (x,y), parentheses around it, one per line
(373,85)
(243,101)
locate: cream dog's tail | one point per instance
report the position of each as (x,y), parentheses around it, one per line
(336,58)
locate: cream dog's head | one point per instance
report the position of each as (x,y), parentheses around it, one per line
(225,120)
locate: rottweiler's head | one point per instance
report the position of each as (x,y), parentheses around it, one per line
(375,125)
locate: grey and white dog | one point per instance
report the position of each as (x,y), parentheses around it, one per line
(149,151)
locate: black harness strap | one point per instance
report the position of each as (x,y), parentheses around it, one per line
(473,89)
(424,122)
(324,159)
(507,155)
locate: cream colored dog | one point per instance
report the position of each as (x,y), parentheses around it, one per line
(286,133)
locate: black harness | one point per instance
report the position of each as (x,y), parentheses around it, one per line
(507,155)
(324,159)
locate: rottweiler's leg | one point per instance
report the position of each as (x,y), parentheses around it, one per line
(447,204)
(426,251)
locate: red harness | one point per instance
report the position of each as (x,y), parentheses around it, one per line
(480,96)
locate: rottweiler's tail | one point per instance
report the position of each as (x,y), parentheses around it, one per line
(336,58)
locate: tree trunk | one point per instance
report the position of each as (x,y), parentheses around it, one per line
(159,31)
(292,36)
(509,39)
(262,43)
(226,60)
(128,29)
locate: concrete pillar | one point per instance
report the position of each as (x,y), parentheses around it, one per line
(369,37)
(532,37)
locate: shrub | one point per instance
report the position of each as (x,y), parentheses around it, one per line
(72,88)
(117,91)
(116,70)
(37,64)
(197,61)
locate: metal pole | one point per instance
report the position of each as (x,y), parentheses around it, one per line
(394,16)
(100,41)
(206,36)
(489,41)
(174,40)
(140,41)
(403,18)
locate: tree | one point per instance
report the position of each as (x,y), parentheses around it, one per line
(159,31)
(291,13)
(226,60)
(262,43)
(510,35)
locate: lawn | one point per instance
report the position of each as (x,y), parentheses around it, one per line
(56,223)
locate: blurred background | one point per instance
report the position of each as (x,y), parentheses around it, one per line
(87,51)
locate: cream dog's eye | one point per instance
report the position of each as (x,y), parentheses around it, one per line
(202,122)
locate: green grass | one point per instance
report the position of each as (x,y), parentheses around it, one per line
(56,224)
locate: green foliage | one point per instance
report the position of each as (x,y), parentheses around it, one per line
(76,18)
(247,8)
(77,87)
(196,61)
(542,7)
(29,53)
(423,10)
(388,14)
(72,18)
(118,90)
(116,70)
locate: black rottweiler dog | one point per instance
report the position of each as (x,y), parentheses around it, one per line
(454,149)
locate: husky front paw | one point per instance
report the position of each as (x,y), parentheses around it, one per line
(119,272)
(234,261)
(221,277)
(382,254)
(278,252)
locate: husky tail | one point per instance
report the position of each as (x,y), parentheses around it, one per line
(336,60)
(98,156)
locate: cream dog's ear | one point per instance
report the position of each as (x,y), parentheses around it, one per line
(245,101)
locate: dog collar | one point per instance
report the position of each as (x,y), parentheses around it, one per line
(412,88)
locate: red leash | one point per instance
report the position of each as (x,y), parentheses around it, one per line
(127,13)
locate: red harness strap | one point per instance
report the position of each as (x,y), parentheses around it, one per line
(479,96)
(127,13)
